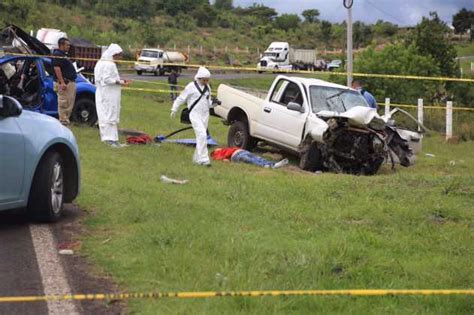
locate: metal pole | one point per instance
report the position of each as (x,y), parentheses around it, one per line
(349,65)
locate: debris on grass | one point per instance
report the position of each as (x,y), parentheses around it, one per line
(167,180)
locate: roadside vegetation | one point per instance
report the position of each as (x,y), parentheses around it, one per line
(239,227)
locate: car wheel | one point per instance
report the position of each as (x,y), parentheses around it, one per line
(139,72)
(47,190)
(311,159)
(239,136)
(84,111)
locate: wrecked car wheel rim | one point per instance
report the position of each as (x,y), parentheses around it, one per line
(57,188)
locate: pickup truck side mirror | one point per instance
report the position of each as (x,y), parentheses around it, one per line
(9,107)
(295,107)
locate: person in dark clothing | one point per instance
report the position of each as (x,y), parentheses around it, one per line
(173,82)
(65,80)
(357,85)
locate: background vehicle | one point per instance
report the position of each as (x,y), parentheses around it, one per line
(37,92)
(334,64)
(39,162)
(80,48)
(280,56)
(155,60)
(328,125)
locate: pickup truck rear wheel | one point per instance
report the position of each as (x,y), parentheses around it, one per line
(47,190)
(239,136)
(139,72)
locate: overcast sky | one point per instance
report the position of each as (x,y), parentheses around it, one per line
(401,12)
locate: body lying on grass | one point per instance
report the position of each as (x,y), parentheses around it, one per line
(235,154)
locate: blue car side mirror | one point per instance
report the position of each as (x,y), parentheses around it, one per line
(9,107)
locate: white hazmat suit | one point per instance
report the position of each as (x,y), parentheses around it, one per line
(108,94)
(199,116)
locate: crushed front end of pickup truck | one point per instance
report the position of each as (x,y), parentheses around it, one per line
(359,142)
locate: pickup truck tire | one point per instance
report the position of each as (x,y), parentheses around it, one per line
(46,198)
(239,136)
(139,72)
(84,111)
(311,159)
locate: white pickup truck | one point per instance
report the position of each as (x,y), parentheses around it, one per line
(330,126)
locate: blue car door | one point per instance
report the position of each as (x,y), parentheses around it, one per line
(49,96)
(12,160)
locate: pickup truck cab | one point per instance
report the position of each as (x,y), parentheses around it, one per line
(328,125)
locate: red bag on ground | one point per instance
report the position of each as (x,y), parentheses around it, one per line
(142,139)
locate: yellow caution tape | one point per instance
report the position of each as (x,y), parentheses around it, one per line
(201,295)
(217,67)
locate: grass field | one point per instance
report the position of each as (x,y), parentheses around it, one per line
(239,227)
(466,49)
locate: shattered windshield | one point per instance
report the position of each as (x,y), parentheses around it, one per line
(335,99)
(149,54)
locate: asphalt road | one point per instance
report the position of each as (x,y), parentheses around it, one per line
(32,267)
(19,272)
(190,75)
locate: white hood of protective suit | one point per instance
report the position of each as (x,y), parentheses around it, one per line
(110,52)
(202,73)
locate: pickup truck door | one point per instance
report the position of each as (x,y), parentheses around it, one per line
(12,160)
(278,124)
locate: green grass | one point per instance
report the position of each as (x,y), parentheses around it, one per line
(466,49)
(239,227)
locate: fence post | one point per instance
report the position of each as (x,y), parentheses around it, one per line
(420,112)
(200,49)
(174,46)
(215,50)
(258,52)
(387,107)
(226,49)
(449,120)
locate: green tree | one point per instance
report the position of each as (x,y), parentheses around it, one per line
(326,31)
(263,13)
(287,22)
(463,21)
(311,15)
(205,15)
(384,29)
(398,59)
(223,4)
(429,37)
(362,34)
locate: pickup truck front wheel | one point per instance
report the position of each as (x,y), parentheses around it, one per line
(311,159)
(239,136)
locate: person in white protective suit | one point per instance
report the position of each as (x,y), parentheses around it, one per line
(108,94)
(199,116)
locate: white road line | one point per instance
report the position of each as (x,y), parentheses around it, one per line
(52,272)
